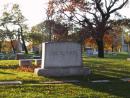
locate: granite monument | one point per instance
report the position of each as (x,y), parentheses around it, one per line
(61,59)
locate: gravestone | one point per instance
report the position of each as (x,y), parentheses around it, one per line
(89,51)
(25,62)
(19,56)
(61,59)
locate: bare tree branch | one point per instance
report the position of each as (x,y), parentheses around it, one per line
(98,6)
(121,6)
(106,4)
(112,3)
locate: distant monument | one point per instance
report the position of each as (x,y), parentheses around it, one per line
(61,59)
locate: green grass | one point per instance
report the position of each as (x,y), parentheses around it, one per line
(9,64)
(111,67)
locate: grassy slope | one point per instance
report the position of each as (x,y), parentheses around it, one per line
(111,67)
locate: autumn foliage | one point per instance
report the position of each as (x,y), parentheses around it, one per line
(91,14)
(110,42)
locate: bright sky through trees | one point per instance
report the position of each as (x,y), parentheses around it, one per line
(34,10)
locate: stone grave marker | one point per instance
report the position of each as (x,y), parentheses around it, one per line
(61,59)
(25,62)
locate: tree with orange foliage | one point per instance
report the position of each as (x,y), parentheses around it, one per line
(93,15)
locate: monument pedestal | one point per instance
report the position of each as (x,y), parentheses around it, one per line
(59,72)
(61,59)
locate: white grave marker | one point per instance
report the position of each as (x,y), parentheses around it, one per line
(61,59)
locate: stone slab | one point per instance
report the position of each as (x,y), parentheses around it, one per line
(61,59)
(25,62)
(61,82)
(10,82)
(20,56)
(59,72)
(100,81)
(128,59)
(125,79)
(36,57)
(61,54)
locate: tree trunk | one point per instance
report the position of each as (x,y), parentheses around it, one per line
(50,34)
(112,47)
(129,49)
(23,41)
(24,46)
(100,45)
(14,51)
(0,46)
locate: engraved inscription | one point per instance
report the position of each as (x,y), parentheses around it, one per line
(63,53)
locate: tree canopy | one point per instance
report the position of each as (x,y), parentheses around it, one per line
(92,15)
(12,22)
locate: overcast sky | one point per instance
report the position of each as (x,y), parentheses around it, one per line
(34,10)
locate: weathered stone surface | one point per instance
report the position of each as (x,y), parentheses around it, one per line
(128,59)
(36,57)
(101,81)
(61,82)
(59,72)
(61,54)
(25,62)
(61,59)
(20,56)
(125,79)
(10,82)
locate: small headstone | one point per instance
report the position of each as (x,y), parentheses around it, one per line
(95,53)
(19,56)
(36,57)
(125,79)
(61,59)
(114,54)
(10,82)
(25,62)
(89,51)
(128,59)
(100,81)
(61,82)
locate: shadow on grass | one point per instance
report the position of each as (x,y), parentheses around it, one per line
(7,73)
(114,88)
(120,89)
(110,56)
(112,72)
(118,56)
(9,67)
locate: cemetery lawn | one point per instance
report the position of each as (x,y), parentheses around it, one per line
(111,67)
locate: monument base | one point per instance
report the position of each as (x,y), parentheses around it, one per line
(60,72)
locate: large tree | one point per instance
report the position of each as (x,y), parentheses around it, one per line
(51,30)
(56,30)
(13,19)
(93,15)
(2,38)
(5,23)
